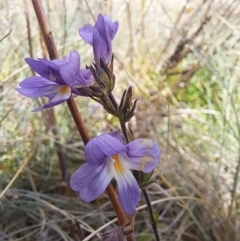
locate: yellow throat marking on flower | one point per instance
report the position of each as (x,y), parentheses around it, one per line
(117,164)
(63,90)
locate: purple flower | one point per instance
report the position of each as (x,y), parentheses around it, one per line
(57,80)
(100,37)
(107,157)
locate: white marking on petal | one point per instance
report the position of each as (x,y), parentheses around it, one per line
(129,163)
(146,143)
(51,90)
(129,194)
(144,161)
(63,93)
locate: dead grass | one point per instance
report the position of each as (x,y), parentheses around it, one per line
(182,58)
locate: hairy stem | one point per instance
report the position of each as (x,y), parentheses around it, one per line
(53,54)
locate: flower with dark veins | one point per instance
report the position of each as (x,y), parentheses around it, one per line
(100,37)
(57,80)
(108,157)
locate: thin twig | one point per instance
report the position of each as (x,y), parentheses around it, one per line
(46,33)
(28,31)
(79,230)
(65,30)
(90,11)
(131,38)
(6,35)
(21,168)
(153,222)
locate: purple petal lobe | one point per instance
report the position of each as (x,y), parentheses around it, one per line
(38,67)
(86,33)
(128,191)
(101,147)
(60,62)
(85,79)
(37,86)
(130,163)
(63,94)
(100,24)
(91,181)
(72,74)
(105,30)
(46,68)
(111,28)
(102,48)
(117,135)
(54,64)
(146,151)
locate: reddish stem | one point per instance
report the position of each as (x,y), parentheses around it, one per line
(78,120)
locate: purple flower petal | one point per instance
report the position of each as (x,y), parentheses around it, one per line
(87,77)
(102,48)
(101,147)
(117,135)
(46,68)
(72,74)
(86,33)
(36,87)
(147,151)
(54,68)
(111,28)
(128,191)
(54,64)
(59,62)
(130,163)
(63,94)
(39,67)
(100,25)
(91,181)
